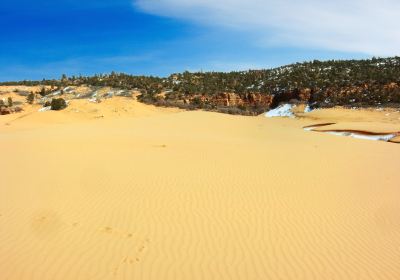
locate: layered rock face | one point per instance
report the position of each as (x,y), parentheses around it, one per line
(5,111)
(230,99)
(353,95)
(9,110)
(360,95)
(305,94)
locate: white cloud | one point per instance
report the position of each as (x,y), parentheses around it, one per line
(364,26)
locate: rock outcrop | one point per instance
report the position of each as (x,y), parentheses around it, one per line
(230,99)
(5,111)
(9,110)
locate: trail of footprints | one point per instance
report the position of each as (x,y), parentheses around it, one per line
(133,258)
(135,253)
(136,246)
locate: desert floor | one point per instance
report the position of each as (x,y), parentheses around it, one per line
(123,190)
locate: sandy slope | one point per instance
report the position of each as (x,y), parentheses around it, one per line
(79,110)
(8,89)
(363,120)
(163,194)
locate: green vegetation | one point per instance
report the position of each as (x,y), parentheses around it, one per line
(43,92)
(373,82)
(10,101)
(30,98)
(58,104)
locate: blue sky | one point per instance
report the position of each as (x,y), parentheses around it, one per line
(43,39)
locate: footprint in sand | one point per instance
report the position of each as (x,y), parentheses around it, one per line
(115,232)
(134,258)
(45,223)
(160,146)
(142,248)
(107,229)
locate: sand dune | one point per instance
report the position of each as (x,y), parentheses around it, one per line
(152,193)
(81,110)
(372,124)
(371,115)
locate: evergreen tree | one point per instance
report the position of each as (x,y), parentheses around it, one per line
(43,91)
(10,101)
(30,98)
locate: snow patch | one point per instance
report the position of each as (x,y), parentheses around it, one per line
(281,111)
(357,135)
(382,137)
(307,109)
(94,100)
(68,89)
(44,109)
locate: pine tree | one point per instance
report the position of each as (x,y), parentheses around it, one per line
(10,101)
(43,91)
(30,98)
(64,79)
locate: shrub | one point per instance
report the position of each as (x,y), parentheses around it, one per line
(10,101)
(43,91)
(18,109)
(30,98)
(242,107)
(58,104)
(196,101)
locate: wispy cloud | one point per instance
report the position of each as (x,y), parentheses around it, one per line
(364,26)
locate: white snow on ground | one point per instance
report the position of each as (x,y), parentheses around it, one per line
(378,137)
(307,109)
(382,137)
(68,89)
(109,94)
(94,100)
(44,109)
(281,111)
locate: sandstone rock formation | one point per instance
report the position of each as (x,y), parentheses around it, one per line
(5,111)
